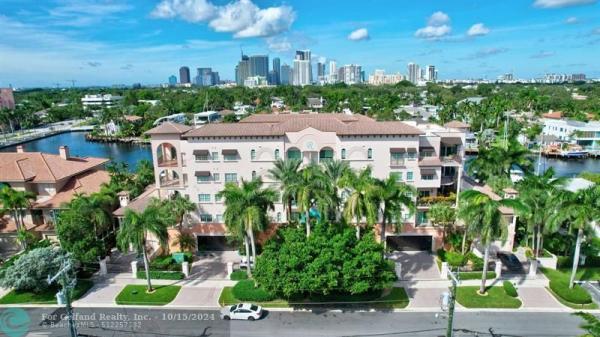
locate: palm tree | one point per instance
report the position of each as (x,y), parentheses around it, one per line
(186,242)
(442,214)
(483,217)
(361,201)
(497,161)
(287,173)
(334,170)
(538,193)
(136,226)
(393,197)
(581,210)
(16,202)
(246,211)
(314,189)
(181,206)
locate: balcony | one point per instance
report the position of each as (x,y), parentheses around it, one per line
(448,180)
(451,159)
(427,201)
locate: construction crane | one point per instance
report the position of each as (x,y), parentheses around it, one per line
(72,83)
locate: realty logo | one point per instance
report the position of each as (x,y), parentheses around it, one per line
(14,322)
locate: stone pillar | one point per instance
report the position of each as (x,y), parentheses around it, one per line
(134,268)
(103,268)
(229,269)
(498,269)
(185,267)
(444,271)
(533,267)
(398,268)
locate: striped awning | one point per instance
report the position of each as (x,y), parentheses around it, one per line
(201,152)
(397,150)
(229,152)
(452,140)
(202,173)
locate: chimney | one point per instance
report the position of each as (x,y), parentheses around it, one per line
(123,198)
(63,151)
(20,149)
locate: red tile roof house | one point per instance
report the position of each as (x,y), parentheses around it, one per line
(55,179)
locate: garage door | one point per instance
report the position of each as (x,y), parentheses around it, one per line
(214,243)
(410,242)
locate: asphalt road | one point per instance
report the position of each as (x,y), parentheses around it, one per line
(187,323)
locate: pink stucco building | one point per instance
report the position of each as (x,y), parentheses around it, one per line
(198,162)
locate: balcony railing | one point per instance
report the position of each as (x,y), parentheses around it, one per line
(451,157)
(430,200)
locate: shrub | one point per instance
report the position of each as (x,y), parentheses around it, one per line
(577,295)
(441,253)
(246,291)
(476,275)
(161,275)
(238,275)
(30,271)
(476,261)
(509,289)
(455,259)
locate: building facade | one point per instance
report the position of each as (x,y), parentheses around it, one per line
(350,74)
(7,99)
(587,135)
(379,77)
(100,101)
(302,68)
(184,75)
(198,162)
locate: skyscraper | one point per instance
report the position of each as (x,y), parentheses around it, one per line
(204,77)
(350,74)
(184,75)
(242,70)
(332,72)
(172,80)
(320,71)
(431,74)
(413,72)
(302,68)
(277,71)
(216,79)
(286,77)
(259,65)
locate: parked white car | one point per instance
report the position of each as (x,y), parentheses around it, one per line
(244,262)
(243,311)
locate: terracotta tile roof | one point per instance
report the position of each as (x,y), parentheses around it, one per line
(138,204)
(279,125)
(132,118)
(85,183)
(457,125)
(487,190)
(169,128)
(553,115)
(40,167)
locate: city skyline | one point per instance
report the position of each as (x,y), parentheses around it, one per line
(100,42)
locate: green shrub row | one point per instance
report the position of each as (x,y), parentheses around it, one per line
(567,261)
(509,289)
(161,275)
(455,259)
(476,275)
(576,295)
(246,291)
(238,275)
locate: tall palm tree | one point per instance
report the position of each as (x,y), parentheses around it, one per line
(287,173)
(538,193)
(581,211)
(483,217)
(181,206)
(314,189)
(362,195)
(16,202)
(136,227)
(246,211)
(497,161)
(394,197)
(334,170)
(442,214)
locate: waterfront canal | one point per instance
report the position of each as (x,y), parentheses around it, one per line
(78,146)
(132,153)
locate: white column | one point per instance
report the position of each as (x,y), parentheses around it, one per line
(229,269)
(533,266)
(399,270)
(444,271)
(498,269)
(134,268)
(185,267)
(103,268)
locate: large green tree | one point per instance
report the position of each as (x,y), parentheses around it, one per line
(16,202)
(314,190)
(362,195)
(287,173)
(393,197)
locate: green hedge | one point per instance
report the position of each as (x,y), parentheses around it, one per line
(476,275)
(576,295)
(567,262)
(509,289)
(161,275)
(455,259)
(246,291)
(238,275)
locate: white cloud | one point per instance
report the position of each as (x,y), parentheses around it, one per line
(359,35)
(242,17)
(478,29)
(83,13)
(561,3)
(437,27)
(571,20)
(486,52)
(543,54)
(278,44)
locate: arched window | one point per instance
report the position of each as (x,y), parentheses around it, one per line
(252,154)
(276,154)
(293,154)
(343,153)
(326,154)
(370,153)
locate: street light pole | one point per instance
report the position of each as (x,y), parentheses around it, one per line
(67,283)
(449,300)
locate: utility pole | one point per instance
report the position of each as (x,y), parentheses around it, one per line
(67,283)
(448,301)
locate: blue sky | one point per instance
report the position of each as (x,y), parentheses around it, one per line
(104,42)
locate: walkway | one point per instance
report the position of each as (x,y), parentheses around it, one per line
(538,298)
(416,265)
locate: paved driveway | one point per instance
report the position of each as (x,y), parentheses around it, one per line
(196,297)
(100,294)
(538,298)
(425,297)
(213,265)
(416,265)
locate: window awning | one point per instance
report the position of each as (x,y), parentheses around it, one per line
(201,152)
(202,173)
(411,149)
(452,141)
(397,150)
(229,152)
(427,172)
(426,148)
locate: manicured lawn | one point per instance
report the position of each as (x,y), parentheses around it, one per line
(583,273)
(47,297)
(393,298)
(469,297)
(576,297)
(136,295)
